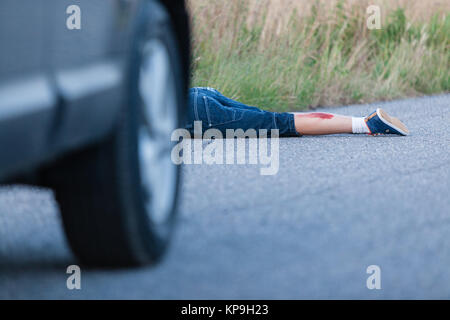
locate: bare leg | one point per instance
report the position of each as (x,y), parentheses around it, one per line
(317,123)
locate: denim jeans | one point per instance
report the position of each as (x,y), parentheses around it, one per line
(217,111)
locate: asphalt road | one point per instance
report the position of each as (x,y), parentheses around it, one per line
(338,204)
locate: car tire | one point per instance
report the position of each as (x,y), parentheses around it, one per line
(118,198)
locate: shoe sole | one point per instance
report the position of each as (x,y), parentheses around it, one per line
(392,122)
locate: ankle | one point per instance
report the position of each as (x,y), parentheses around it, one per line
(359,125)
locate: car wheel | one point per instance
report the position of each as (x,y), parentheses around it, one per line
(118,198)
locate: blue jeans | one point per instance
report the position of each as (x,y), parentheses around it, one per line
(217,111)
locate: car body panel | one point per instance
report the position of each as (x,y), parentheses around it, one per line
(27,96)
(61,89)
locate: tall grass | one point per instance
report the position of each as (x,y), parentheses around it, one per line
(294,54)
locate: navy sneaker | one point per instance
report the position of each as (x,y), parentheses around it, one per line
(379,122)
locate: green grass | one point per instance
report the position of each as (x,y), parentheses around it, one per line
(321,61)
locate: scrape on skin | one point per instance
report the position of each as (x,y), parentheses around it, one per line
(319,115)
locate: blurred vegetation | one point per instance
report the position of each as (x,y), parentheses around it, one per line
(323,55)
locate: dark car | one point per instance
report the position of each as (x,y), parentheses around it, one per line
(90,92)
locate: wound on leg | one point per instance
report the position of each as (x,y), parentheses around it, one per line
(319,115)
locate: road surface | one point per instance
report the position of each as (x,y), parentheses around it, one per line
(337,205)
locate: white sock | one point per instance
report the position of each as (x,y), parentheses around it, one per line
(359,125)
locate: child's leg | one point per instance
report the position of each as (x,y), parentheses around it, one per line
(216,110)
(305,123)
(317,123)
(378,122)
(219,112)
